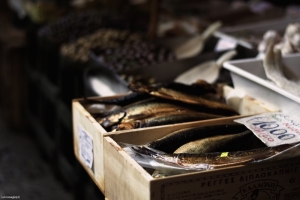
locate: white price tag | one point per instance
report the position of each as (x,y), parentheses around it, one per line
(86,147)
(225,44)
(273,128)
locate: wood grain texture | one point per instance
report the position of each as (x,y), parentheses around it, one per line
(82,118)
(125,179)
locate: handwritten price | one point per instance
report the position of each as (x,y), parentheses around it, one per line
(271,127)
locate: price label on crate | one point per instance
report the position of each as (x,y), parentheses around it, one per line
(273,128)
(86,147)
(225,44)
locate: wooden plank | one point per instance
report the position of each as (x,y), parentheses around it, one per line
(82,119)
(124,179)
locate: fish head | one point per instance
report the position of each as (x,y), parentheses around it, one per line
(129,125)
(113,119)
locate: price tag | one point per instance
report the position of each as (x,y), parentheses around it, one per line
(225,44)
(86,147)
(273,128)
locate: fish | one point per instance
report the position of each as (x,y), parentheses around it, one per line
(247,141)
(139,110)
(151,108)
(221,143)
(278,73)
(199,87)
(164,173)
(213,160)
(174,95)
(125,100)
(175,139)
(159,174)
(113,118)
(164,118)
(98,110)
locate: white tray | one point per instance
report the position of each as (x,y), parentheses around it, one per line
(248,76)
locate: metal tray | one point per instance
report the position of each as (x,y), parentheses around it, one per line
(248,76)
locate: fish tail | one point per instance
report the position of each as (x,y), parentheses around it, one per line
(144,150)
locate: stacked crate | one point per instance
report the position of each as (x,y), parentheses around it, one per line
(53,81)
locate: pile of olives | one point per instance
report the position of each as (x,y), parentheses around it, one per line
(134,55)
(103,39)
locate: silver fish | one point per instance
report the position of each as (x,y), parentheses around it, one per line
(212,160)
(178,116)
(138,110)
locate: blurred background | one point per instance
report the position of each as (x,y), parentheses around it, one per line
(46,49)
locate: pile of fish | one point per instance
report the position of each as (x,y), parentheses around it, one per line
(133,55)
(162,104)
(288,43)
(103,38)
(204,148)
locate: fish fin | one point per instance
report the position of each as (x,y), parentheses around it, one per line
(147,150)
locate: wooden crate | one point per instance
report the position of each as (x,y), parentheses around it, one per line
(82,118)
(125,179)
(84,123)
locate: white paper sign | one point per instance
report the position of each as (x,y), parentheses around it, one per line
(86,147)
(273,128)
(225,44)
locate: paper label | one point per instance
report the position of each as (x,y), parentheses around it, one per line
(225,44)
(86,147)
(273,128)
